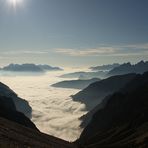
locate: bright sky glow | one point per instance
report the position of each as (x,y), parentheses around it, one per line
(73,32)
(14,3)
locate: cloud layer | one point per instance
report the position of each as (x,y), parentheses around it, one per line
(54,112)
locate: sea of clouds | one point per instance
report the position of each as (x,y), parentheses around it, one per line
(54,111)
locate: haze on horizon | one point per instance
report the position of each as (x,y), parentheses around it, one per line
(73,32)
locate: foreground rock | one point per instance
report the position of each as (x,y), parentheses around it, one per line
(13,135)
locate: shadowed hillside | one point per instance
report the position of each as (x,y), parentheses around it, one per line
(95,92)
(123,122)
(20,104)
(13,135)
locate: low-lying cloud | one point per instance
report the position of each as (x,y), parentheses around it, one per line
(54,112)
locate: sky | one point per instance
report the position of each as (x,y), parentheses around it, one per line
(73,32)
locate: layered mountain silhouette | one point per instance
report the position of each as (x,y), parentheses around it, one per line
(125,68)
(95,92)
(84,75)
(105,67)
(76,84)
(29,68)
(123,121)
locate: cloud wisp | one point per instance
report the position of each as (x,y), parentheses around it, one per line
(115,50)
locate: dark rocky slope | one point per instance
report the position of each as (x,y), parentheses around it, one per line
(8,111)
(123,122)
(13,135)
(20,104)
(95,92)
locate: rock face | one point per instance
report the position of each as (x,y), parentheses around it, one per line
(76,84)
(123,122)
(20,104)
(125,68)
(95,92)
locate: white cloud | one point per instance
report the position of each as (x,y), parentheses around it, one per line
(18,52)
(115,50)
(87,52)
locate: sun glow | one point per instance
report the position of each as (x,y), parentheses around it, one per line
(14,3)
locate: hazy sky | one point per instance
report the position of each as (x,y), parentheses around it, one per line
(73,32)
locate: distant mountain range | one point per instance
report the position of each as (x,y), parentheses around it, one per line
(105,67)
(123,121)
(76,84)
(105,71)
(125,68)
(29,68)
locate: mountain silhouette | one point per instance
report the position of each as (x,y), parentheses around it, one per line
(125,68)
(29,68)
(92,95)
(85,75)
(20,104)
(123,121)
(76,84)
(105,67)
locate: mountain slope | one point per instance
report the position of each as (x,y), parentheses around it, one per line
(13,135)
(95,92)
(123,122)
(84,75)
(20,104)
(76,84)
